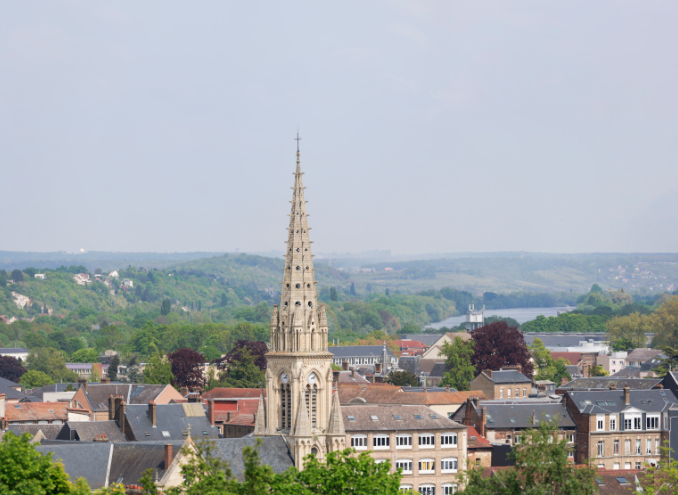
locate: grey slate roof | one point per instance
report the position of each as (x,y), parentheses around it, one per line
(98,394)
(12,350)
(425,338)
(132,459)
(82,460)
(346,351)
(57,387)
(438,370)
(573,369)
(4,382)
(170,418)
(641,353)
(518,414)
(612,401)
(564,339)
(411,418)
(273,452)
(50,431)
(654,363)
(605,382)
(509,376)
(85,431)
(628,372)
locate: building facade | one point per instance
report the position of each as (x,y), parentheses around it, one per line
(507,383)
(299,372)
(429,448)
(621,429)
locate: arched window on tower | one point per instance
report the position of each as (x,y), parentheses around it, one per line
(285,406)
(312,403)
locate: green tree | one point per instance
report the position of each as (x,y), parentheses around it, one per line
(159,370)
(351,290)
(165,307)
(333,294)
(243,373)
(597,370)
(632,327)
(458,368)
(342,472)
(110,337)
(17,276)
(224,300)
(51,362)
(113,368)
(24,470)
(661,478)
(85,356)
(35,379)
(622,344)
(402,378)
(541,468)
(204,473)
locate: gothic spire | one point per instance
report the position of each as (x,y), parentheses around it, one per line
(260,426)
(336,426)
(302,428)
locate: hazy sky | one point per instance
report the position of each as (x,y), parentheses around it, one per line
(427,126)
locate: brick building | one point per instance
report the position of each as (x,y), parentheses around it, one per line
(621,429)
(507,383)
(429,448)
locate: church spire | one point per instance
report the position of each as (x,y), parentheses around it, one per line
(336,426)
(302,428)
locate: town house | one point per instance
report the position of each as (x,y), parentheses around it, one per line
(509,382)
(621,429)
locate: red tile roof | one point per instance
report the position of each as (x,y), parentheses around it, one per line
(572,357)
(236,419)
(410,344)
(36,411)
(371,394)
(233,393)
(479,442)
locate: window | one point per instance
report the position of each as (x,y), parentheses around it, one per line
(600,422)
(405,465)
(501,393)
(628,424)
(359,442)
(381,442)
(616,447)
(613,423)
(449,488)
(639,465)
(637,423)
(656,446)
(648,446)
(627,465)
(448,465)
(427,466)
(601,449)
(666,421)
(524,392)
(379,461)
(427,441)
(652,422)
(570,437)
(508,393)
(517,392)
(477,462)
(427,489)
(627,448)
(405,488)
(448,440)
(570,453)
(638,452)
(615,465)
(403,441)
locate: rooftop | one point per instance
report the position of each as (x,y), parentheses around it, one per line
(36,411)
(390,418)
(612,401)
(172,421)
(346,351)
(605,382)
(233,393)
(520,414)
(507,376)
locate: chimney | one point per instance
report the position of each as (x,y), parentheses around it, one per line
(101,438)
(660,386)
(168,455)
(152,412)
(195,397)
(488,373)
(353,373)
(447,388)
(467,415)
(183,391)
(210,411)
(627,395)
(377,367)
(229,415)
(2,406)
(335,376)
(111,408)
(105,380)
(534,417)
(483,421)
(476,402)
(563,380)
(613,386)
(344,365)
(82,382)
(116,408)
(123,409)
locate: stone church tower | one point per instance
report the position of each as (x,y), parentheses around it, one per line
(299,375)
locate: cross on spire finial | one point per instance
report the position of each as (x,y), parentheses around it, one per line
(297,139)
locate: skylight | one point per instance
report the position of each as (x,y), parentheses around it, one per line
(599,482)
(582,403)
(204,432)
(601,403)
(662,392)
(418,416)
(51,410)
(165,434)
(512,420)
(397,417)
(351,418)
(374,417)
(18,406)
(434,416)
(621,479)
(611,403)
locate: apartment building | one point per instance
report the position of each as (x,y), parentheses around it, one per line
(621,429)
(509,382)
(429,448)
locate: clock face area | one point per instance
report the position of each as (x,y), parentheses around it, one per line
(284,378)
(312,378)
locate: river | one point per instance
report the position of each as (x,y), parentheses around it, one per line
(521,315)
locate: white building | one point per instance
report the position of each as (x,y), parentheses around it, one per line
(114,274)
(82,279)
(128,283)
(15,352)
(40,276)
(474,319)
